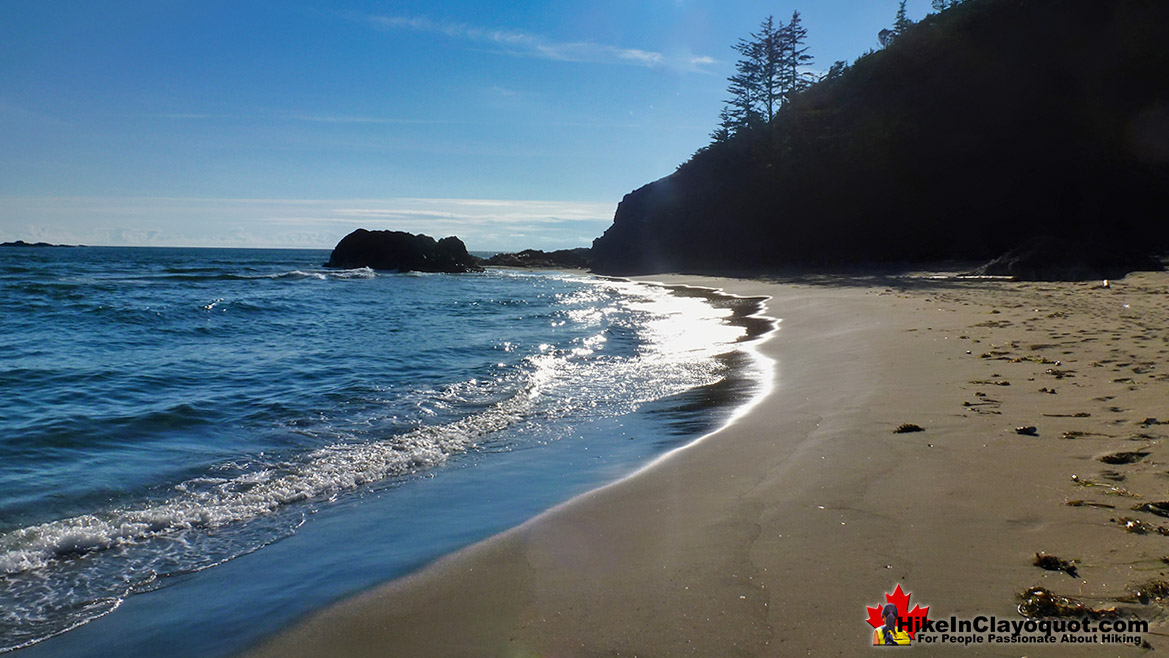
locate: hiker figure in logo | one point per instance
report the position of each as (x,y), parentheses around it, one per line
(889,634)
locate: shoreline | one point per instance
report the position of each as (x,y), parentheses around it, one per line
(475,494)
(772,535)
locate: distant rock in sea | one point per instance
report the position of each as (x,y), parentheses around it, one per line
(22,243)
(1060,259)
(404,252)
(580,258)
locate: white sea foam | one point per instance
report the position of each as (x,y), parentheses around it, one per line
(359,273)
(560,381)
(212,503)
(677,339)
(295,274)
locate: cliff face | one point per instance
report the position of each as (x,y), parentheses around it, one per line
(981,127)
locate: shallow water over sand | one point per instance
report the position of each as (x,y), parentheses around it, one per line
(214,442)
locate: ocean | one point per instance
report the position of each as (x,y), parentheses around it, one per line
(200,446)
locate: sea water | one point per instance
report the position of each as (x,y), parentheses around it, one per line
(199,446)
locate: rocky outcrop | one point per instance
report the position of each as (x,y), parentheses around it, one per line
(404,252)
(1058,259)
(580,258)
(22,243)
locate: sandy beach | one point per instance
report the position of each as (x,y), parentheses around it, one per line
(771,536)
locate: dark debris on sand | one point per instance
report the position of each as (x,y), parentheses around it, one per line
(1053,563)
(1039,602)
(1154,590)
(1159,508)
(1124,457)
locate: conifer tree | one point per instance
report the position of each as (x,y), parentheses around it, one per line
(901,22)
(836,70)
(794,55)
(766,75)
(767,40)
(726,126)
(743,105)
(756,87)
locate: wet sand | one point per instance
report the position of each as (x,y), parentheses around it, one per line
(771,536)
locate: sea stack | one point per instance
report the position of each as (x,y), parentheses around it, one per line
(404,252)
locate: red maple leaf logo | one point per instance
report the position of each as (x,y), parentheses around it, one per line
(910,620)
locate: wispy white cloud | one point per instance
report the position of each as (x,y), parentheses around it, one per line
(483,224)
(515,42)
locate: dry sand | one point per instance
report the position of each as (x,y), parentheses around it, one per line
(771,536)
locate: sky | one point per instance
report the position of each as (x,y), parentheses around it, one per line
(285,123)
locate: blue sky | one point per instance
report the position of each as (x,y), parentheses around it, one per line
(283,123)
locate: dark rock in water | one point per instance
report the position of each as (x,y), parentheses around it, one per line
(1057,259)
(580,258)
(405,252)
(22,243)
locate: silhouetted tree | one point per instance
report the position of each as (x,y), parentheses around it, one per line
(901,22)
(766,75)
(742,109)
(767,42)
(755,88)
(836,70)
(726,126)
(794,55)
(942,5)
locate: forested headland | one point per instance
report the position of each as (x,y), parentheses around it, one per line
(985,124)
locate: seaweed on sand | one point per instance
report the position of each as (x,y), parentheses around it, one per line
(1089,503)
(1159,508)
(1053,563)
(1041,602)
(1152,590)
(1139,527)
(1124,457)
